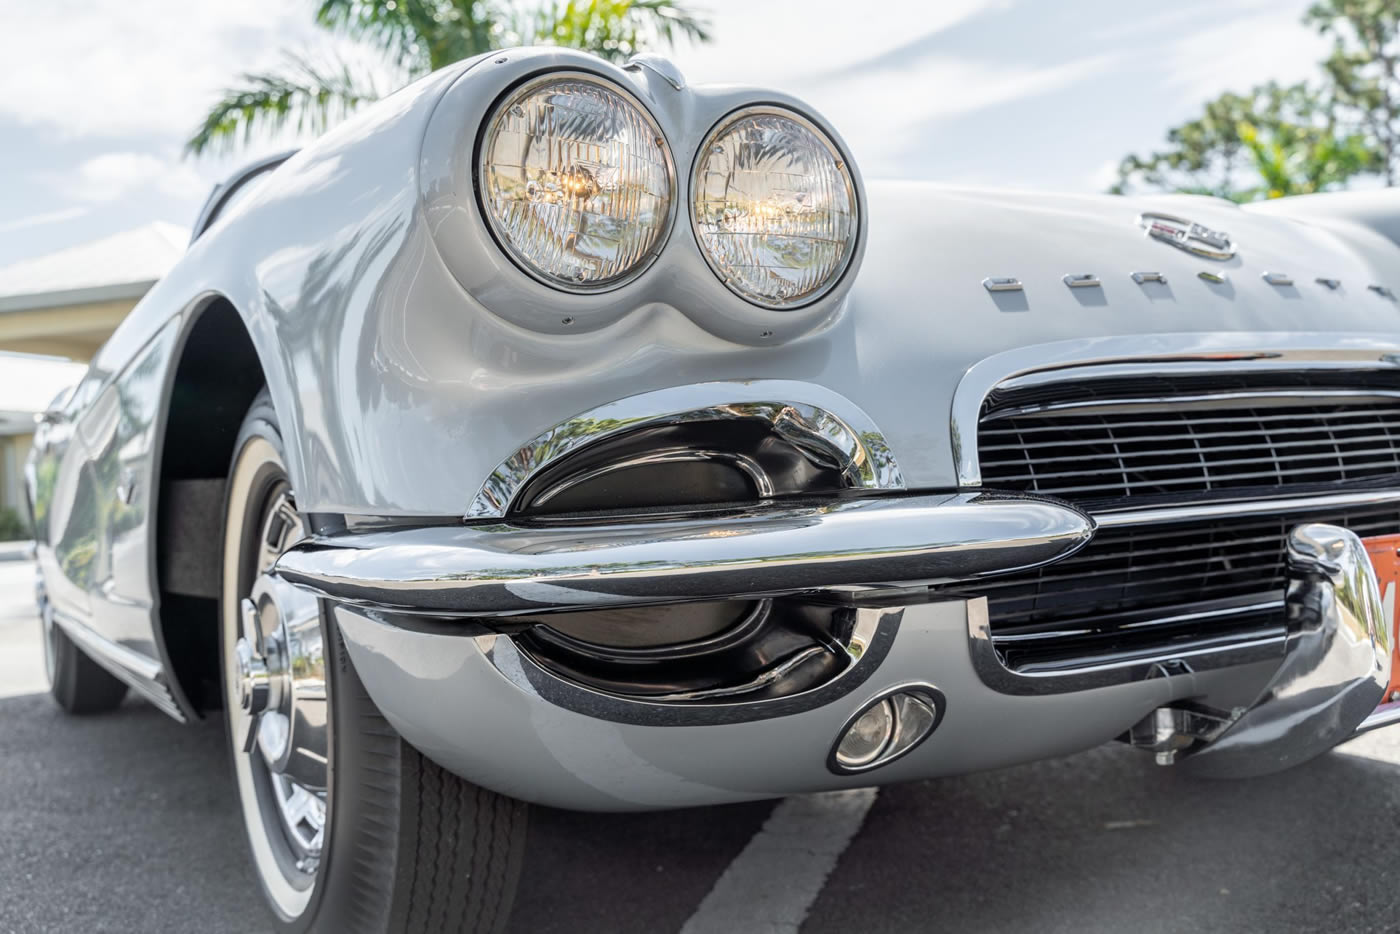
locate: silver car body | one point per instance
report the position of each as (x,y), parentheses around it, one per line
(422,379)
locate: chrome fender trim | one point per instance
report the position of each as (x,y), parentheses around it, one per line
(813,418)
(511,569)
(875,632)
(1335,668)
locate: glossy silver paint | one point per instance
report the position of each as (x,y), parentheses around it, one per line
(521,739)
(409,358)
(504,569)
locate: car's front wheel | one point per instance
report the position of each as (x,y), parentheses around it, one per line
(351,829)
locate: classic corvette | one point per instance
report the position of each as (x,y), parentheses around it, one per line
(558,432)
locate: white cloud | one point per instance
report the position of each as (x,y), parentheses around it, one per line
(140,66)
(1104,177)
(114,174)
(778,42)
(1240,52)
(41,220)
(963,87)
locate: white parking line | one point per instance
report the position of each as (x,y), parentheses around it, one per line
(771,885)
(21,643)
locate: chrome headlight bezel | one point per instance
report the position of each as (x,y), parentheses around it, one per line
(522,89)
(843,166)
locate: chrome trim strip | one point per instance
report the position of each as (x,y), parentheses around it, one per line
(813,418)
(1053,635)
(1096,357)
(1083,280)
(1002,284)
(872,638)
(1384,715)
(1274,397)
(1171,661)
(1230,510)
(140,672)
(505,569)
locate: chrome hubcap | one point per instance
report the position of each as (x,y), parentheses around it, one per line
(278,681)
(254,680)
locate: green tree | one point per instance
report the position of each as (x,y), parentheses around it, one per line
(1272,142)
(1364,70)
(419,36)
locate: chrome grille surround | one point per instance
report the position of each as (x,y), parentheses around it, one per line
(1195,454)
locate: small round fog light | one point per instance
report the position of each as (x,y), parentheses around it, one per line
(887,729)
(867,737)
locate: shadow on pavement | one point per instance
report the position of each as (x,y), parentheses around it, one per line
(1108,842)
(126,822)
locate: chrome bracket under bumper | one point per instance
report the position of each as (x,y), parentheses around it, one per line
(1333,676)
(505,569)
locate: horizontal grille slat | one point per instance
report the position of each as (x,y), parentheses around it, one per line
(994,427)
(1203,446)
(1240,436)
(1214,448)
(1053,596)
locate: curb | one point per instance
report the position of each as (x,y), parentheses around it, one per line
(16,551)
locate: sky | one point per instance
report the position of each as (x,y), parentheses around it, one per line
(97,96)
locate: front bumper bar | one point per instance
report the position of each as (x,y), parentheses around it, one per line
(510,569)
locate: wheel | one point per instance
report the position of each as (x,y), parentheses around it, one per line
(351,829)
(78,683)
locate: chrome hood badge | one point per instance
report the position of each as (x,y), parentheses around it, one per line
(1187,235)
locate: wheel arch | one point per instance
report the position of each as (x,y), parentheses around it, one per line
(216,370)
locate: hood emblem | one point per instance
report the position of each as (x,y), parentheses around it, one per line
(1183,234)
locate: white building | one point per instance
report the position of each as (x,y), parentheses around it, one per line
(64,305)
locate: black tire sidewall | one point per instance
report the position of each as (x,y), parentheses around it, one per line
(377,785)
(354,881)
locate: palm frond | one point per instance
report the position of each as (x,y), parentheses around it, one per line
(671,21)
(417,35)
(307,97)
(612,29)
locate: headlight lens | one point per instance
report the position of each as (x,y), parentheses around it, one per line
(775,207)
(576,181)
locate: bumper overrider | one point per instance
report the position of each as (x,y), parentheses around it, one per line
(427,615)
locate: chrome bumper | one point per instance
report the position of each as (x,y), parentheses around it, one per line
(510,569)
(472,700)
(1329,686)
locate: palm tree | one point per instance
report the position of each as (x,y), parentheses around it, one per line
(419,36)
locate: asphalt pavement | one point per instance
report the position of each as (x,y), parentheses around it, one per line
(126,823)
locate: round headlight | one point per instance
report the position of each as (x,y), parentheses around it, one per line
(576,181)
(775,207)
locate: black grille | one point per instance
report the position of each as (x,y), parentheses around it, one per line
(1164,441)
(1188,450)
(1147,583)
